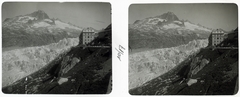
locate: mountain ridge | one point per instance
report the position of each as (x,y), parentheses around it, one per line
(20,30)
(40,14)
(166,29)
(166,21)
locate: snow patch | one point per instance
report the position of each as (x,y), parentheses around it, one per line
(191,81)
(178,22)
(63,25)
(47,20)
(155,20)
(24,19)
(170,26)
(41,24)
(62,80)
(191,26)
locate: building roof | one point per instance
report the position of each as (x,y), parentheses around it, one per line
(218,31)
(89,29)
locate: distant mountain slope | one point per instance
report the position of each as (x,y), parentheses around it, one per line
(163,31)
(81,70)
(36,29)
(167,21)
(212,71)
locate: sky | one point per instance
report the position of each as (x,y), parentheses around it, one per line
(83,14)
(215,16)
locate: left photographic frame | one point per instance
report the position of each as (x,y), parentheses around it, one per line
(56,48)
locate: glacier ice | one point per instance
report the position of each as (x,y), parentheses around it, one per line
(19,63)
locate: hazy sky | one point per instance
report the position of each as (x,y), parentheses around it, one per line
(96,15)
(224,16)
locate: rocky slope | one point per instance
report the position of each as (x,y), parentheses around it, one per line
(163,31)
(81,70)
(36,29)
(145,66)
(212,71)
(19,63)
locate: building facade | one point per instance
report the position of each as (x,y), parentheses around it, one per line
(216,37)
(87,36)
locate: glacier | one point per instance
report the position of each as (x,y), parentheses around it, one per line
(146,65)
(19,63)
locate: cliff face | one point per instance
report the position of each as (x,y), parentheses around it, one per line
(212,71)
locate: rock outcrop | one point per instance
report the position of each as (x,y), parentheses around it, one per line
(197,64)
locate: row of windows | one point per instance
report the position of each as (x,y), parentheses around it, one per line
(218,32)
(88,30)
(88,40)
(218,38)
(88,33)
(86,43)
(216,41)
(88,36)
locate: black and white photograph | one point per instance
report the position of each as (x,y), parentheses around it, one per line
(56,48)
(183,49)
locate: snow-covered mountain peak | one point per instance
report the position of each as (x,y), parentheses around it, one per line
(166,17)
(192,26)
(36,24)
(37,19)
(40,15)
(169,16)
(165,22)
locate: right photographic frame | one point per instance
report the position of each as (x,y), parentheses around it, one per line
(183,49)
